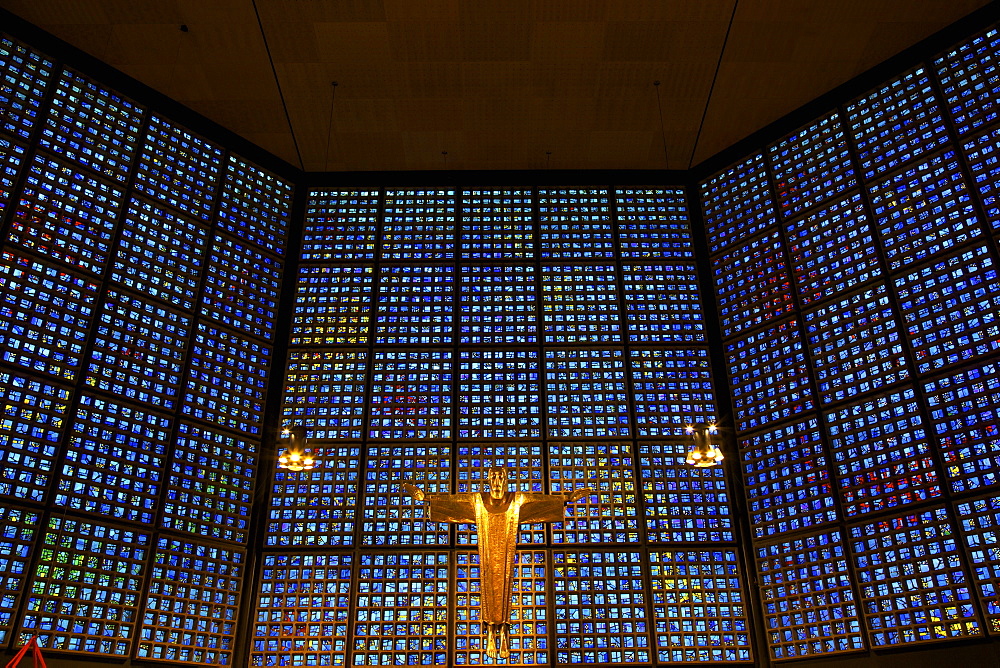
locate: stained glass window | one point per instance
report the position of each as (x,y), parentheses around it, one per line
(662,303)
(340,225)
(325,392)
(302,610)
(411,394)
(767,371)
(392,517)
(737,203)
(31,427)
(787,479)
(415,304)
(683,504)
(48,312)
(950,309)
(832,250)
(882,453)
(114,464)
(983,153)
(419,225)
(402,609)
(601,612)
(497,225)
(653,223)
(580,304)
(981,529)
(227,378)
(896,122)
(968,75)
(17,535)
(178,168)
(86,587)
(528,632)
(317,507)
(672,389)
(575,224)
(25,73)
(11,159)
(913,579)
(160,254)
(138,349)
(966,420)
(499,395)
(66,214)
(923,210)
(255,204)
(698,606)
(93,126)
(332,305)
(242,287)
(210,484)
(524,466)
(752,283)
(498,304)
(855,345)
(811,165)
(585,393)
(608,515)
(191,604)
(809,604)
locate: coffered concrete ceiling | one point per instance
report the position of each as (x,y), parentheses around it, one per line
(488,84)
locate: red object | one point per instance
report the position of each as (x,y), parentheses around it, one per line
(36,654)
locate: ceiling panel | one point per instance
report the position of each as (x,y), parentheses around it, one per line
(496,85)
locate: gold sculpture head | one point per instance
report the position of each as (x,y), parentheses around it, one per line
(497,477)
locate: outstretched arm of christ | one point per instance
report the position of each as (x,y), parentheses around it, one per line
(550,507)
(455,508)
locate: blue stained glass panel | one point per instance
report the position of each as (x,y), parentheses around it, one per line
(210,484)
(662,304)
(389,515)
(575,223)
(325,392)
(672,389)
(191,603)
(11,159)
(17,536)
(31,427)
(811,165)
(419,225)
(950,309)
(809,605)
(970,81)
(255,204)
(411,394)
(333,305)
(580,304)
(586,393)
(683,504)
(913,580)
(832,250)
(980,520)
(609,515)
(653,223)
(227,379)
(497,225)
(855,345)
(497,304)
(787,479)
(499,394)
(983,155)
(242,287)
(340,224)
(698,606)
(882,453)
(178,168)
(893,124)
(923,210)
(768,374)
(66,215)
(752,283)
(25,73)
(160,254)
(93,126)
(138,349)
(415,304)
(114,464)
(737,203)
(48,312)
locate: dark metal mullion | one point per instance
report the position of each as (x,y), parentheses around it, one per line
(733,471)
(452,546)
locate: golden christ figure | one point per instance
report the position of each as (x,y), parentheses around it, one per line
(497,515)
